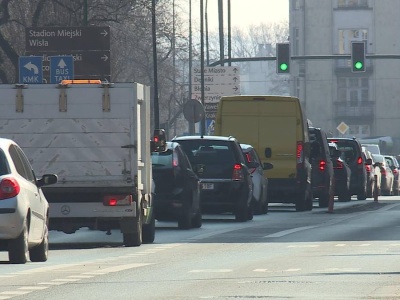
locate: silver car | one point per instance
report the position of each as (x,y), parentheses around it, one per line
(260,182)
(23,206)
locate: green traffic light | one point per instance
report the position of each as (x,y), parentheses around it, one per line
(283,67)
(358,65)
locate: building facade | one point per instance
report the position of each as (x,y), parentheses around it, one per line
(368,102)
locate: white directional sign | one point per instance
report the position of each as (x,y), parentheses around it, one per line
(218,81)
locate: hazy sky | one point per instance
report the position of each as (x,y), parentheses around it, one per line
(244,12)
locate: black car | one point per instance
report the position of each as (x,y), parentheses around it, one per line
(342,174)
(177,188)
(351,153)
(322,174)
(226,184)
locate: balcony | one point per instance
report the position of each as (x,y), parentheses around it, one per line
(344,66)
(364,110)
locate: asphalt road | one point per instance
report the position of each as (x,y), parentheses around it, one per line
(352,253)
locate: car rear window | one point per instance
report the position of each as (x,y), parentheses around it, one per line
(4,168)
(162,159)
(350,151)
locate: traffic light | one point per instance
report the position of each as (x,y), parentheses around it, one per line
(358,57)
(283,58)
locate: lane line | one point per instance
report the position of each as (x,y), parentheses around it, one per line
(290,231)
(211,271)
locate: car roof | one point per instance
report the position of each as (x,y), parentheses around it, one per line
(204,137)
(246,146)
(5,142)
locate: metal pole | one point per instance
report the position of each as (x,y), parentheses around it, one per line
(174,61)
(203,120)
(191,124)
(85,13)
(154,38)
(229,34)
(207,45)
(221,31)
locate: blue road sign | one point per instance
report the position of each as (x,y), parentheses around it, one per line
(61,67)
(30,69)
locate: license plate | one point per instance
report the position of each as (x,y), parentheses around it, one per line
(207,186)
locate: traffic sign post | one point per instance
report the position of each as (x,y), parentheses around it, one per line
(61,67)
(30,69)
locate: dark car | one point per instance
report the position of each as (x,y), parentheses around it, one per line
(322,174)
(394,165)
(351,153)
(342,173)
(177,188)
(260,182)
(226,184)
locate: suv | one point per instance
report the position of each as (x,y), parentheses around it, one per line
(322,173)
(177,188)
(351,153)
(226,184)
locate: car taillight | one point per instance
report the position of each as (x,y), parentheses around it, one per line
(322,165)
(359,160)
(238,174)
(175,161)
(368,168)
(9,188)
(117,200)
(395,171)
(299,153)
(383,171)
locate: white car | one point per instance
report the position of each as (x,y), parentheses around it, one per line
(23,207)
(260,182)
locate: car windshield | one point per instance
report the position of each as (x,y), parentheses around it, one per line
(348,151)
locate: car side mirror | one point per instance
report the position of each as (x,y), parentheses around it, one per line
(253,164)
(268,166)
(368,161)
(268,152)
(47,179)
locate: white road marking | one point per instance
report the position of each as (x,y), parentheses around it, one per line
(81,276)
(65,279)
(292,270)
(33,288)
(44,269)
(53,283)
(303,246)
(364,245)
(15,293)
(211,271)
(94,273)
(340,245)
(290,231)
(261,270)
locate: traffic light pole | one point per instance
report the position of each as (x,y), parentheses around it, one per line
(306,57)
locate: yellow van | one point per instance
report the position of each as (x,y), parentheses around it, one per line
(277,128)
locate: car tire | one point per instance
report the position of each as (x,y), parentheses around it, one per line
(18,252)
(241,211)
(250,213)
(344,196)
(197,219)
(185,220)
(149,230)
(323,201)
(40,253)
(362,195)
(134,239)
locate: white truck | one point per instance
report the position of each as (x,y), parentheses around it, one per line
(96,138)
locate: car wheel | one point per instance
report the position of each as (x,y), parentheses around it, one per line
(149,230)
(18,252)
(197,219)
(344,196)
(133,239)
(362,195)
(250,212)
(185,220)
(41,252)
(323,201)
(241,211)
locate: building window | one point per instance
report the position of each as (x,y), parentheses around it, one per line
(352,3)
(359,130)
(354,91)
(347,36)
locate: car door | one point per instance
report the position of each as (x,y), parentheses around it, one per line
(30,193)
